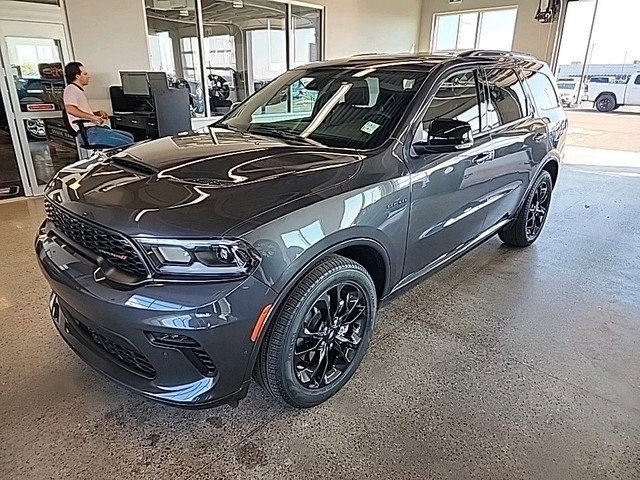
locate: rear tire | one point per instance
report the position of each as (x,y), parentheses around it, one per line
(526,228)
(320,334)
(606,102)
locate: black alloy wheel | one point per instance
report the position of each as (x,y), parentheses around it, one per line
(527,225)
(538,209)
(330,335)
(320,334)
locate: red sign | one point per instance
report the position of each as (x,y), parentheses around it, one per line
(40,107)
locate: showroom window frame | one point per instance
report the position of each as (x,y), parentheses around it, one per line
(289,39)
(478,30)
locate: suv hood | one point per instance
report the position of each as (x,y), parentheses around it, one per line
(197,185)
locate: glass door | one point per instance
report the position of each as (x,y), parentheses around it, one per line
(10,177)
(34,56)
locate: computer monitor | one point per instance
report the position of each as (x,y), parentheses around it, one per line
(135,83)
(158,81)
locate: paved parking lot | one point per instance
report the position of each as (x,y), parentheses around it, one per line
(507,364)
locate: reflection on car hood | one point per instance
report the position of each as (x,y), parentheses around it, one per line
(198,184)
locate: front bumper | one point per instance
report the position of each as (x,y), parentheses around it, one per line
(186,344)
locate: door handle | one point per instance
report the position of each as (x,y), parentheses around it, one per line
(538,137)
(485,157)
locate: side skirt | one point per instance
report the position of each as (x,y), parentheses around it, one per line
(450,256)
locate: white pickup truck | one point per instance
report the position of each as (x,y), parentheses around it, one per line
(609,96)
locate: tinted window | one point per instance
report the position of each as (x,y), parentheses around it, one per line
(543,92)
(507,101)
(637,82)
(457,98)
(337,107)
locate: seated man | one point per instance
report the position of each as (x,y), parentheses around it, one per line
(78,108)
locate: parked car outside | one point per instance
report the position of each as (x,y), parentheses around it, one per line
(568,90)
(611,96)
(181,267)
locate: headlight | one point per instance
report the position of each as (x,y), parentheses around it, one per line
(217,259)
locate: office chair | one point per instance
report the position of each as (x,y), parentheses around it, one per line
(85,149)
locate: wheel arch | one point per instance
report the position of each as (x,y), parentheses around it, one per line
(550,164)
(553,167)
(615,97)
(370,253)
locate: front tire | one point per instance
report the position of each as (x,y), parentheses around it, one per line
(320,335)
(526,228)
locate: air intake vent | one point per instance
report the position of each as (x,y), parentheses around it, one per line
(129,164)
(189,347)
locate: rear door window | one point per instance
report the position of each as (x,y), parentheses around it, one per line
(506,100)
(544,94)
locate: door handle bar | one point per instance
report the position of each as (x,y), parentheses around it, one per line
(538,137)
(485,157)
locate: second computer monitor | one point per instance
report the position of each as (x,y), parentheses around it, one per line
(158,81)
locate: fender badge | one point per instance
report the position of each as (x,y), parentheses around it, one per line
(397,202)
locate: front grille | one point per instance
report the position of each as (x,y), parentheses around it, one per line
(137,361)
(114,248)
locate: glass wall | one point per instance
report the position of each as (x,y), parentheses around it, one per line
(306,23)
(174,48)
(245,44)
(245,47)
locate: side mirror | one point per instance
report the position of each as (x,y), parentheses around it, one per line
(445,136)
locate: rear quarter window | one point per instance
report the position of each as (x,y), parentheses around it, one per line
(544,93)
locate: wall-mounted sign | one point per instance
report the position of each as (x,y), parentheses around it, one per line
(40,107)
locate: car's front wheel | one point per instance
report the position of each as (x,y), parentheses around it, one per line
(526,227)
(320,334)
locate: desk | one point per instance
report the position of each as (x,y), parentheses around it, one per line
(140,125)
(162,114)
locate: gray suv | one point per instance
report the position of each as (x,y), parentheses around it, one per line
(183,266)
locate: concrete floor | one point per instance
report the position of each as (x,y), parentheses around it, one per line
(506,364)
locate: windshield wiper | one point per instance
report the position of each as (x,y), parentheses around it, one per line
(287,135)
(226,126)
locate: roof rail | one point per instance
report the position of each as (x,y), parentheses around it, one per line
(494,53)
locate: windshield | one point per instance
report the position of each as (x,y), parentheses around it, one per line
(336,107)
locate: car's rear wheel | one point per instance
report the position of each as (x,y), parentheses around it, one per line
(526,228)
(320,334)
(606,102)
